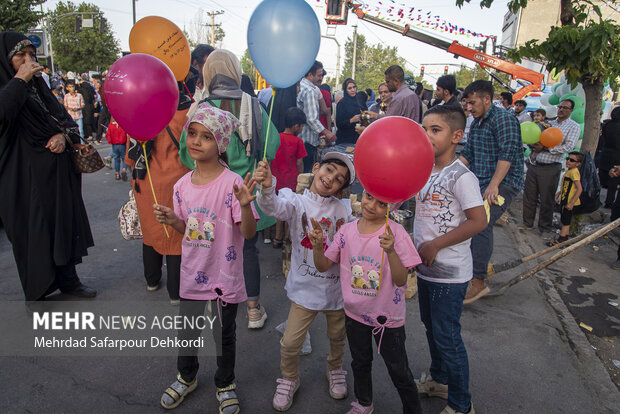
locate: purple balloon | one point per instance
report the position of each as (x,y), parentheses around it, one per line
(142,95)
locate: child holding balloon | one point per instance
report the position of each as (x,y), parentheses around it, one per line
(214,225)
(311,291)
(374,297)
(449,212)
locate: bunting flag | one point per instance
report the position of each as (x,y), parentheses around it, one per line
(398,12)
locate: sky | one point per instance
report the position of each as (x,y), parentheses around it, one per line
(237,14)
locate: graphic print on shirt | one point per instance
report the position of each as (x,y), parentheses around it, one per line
(201,278)
(365,274)
(329,230)
(198,231)
(437,205)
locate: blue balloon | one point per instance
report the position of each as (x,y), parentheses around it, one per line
(283,40)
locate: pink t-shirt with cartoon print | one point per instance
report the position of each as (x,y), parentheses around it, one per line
(212,246)
(359,255)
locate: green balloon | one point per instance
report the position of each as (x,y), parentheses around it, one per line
(554,100)
(527,153)
(583,128)
(578,115)
(530,132)
(579,103)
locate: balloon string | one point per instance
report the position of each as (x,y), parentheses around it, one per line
(188,92)
(148,172)
(387,216)
(273,98)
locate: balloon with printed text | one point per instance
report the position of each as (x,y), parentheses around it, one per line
(142,95)
(159,37)
(393,159)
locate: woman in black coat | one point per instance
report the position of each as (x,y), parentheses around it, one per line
(348,112)
(41,204)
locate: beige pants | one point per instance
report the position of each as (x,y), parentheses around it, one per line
(299,320)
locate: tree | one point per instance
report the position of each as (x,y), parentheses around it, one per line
(247,66)
(18,15)
(586,48)
(370,63)
(199,30)
(87,50)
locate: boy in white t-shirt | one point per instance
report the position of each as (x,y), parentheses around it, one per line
(449,211)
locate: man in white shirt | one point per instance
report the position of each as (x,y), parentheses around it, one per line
(521,113)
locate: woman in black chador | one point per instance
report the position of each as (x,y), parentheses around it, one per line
(41,202)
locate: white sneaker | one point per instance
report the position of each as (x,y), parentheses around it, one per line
(256,317)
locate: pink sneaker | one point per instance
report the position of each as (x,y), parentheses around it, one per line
(337,383)
(283,398)
(357,408)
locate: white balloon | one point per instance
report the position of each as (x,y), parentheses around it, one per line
(552,111)
(581,94)
(544,100)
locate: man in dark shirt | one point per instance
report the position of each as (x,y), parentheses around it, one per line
(446,87)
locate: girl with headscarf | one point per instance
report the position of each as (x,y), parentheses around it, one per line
(41,204)
(348,113)
(222,80)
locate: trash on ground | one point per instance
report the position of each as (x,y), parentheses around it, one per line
(611,341)
(593,347)
(595,248)
(115,250)
(583,269)
(590,227)
(586,327)
(613,303)
(616,363)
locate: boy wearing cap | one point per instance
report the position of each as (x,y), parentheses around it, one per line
(309,290)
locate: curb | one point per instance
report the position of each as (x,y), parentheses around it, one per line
(595,375)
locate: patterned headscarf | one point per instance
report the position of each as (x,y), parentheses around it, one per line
(220,123)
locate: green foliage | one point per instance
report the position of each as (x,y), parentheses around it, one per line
(371,62)
(86,50)
(247,66)
(18,15)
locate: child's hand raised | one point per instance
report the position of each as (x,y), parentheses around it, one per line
(386,241)
(164,214)
(316,235)
(245,193)
(262,174)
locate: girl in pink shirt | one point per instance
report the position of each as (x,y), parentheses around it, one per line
(374,298)
(214,225)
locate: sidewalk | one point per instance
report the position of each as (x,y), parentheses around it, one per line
(526,355)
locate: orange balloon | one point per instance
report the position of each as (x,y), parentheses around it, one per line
(159,37)
(551,137)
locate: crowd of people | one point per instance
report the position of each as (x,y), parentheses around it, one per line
(221,148)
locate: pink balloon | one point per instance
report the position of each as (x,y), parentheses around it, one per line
(142,95)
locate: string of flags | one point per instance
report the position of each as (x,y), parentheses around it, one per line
(397,12)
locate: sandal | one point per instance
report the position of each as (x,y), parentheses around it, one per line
(118,176)
(176,392)
(229,404)
(277,243)
(557,241)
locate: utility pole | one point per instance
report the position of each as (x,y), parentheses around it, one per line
(337,59)
(354,51)
(133,3)
(213,25)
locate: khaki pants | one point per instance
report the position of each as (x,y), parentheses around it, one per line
(299,320)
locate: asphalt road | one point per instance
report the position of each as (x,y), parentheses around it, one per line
(521,358)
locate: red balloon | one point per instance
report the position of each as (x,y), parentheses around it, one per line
(393,159)
(551,137)
(142,95)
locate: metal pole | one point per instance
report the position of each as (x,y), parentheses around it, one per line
(51,50)
(213,29)
(133,3)
(337,59)
(354,51)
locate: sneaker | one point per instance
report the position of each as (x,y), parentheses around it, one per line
(176,392)
(431,388)
(283,398)
(615,265)
(475,292)
(256,317)
(450,410)
(267,241)
(150,288)
(175,302)
(357,408)
(337,383)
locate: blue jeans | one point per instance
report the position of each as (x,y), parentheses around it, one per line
(80,124)
(441,305)
(118,152)
(482,243)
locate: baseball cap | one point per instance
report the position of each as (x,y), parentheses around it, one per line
(347,159)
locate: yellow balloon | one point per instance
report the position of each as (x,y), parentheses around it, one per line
(159,37)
